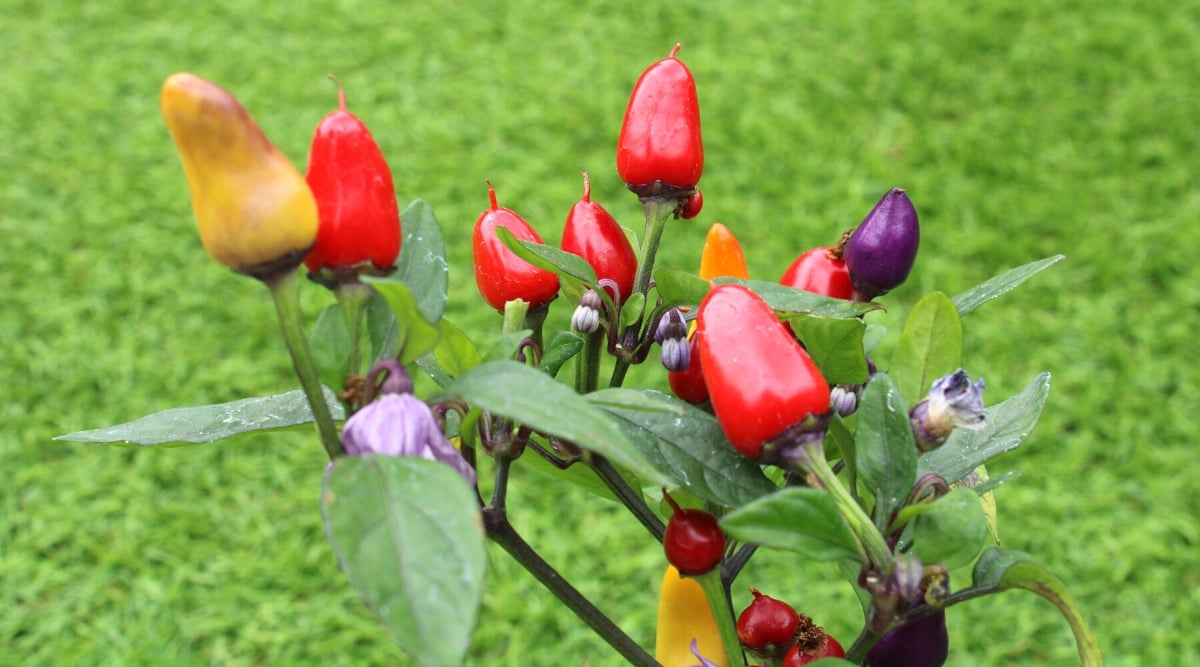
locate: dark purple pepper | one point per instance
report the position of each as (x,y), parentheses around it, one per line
(881,251)
(922,643)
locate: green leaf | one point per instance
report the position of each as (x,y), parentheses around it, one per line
(952,532)
(329,343)
(566,265)
(1003,569)
(679,287)
(886,456)
(414,335)
(422,265)
(455,352)
(382,329)
(929,348)
(506,346)
(1001,284)
(632,310)
(1008,425)
(559,349)
(789,300)
(209,423)
(408,535)
(800,519)
(686,445)
(835,345)
(530,397)
(839,441)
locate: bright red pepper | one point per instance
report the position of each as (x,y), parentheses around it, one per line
(812,648)
(693,541)
(356,199)
(660,138)
(759,379)
(691,206)
(819,271)
(766,622)
(593,234)
(500,275)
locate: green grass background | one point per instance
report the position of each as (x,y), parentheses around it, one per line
(1020,129)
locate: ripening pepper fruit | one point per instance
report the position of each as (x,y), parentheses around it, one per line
(767,623)
(693,541)
(356,198)
(500,275)
(684,616)
(922,643)
(254,211)
(722,255)
(593,234)
(760,380)
(691,206)
(660,138)
(812,646)
(881,250)
(820,271)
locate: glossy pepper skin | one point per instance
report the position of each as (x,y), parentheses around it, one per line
(592,233)
(693,541)
(660,138)
(684,615)
(819,271)
(356,198)
(767,622)
(254,211)
(500,275)
(798,655)
(881,250)
(922,643)
(760,380)
(722,255)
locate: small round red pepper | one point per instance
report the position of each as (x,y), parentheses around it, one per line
(819,271)
(760,380)
(660,138)
(500,275)
(356,199)
(592,233)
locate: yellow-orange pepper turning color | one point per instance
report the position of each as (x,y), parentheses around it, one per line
(684,615)
(722,255)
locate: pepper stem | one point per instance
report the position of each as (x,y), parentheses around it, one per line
(874,547)
(722,611)
(354,296)
(285,292)
(658,211)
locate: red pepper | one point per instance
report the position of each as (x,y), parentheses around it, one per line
(691,206)
(760,380)
(592,233)
(356,199)
(500,275)
(660,138)
(819,271)
(688,384)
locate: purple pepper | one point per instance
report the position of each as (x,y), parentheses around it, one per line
(922,643)
(881,250)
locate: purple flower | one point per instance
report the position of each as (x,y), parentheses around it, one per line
(953,401)
(400,424)
(676,352)
(881,250)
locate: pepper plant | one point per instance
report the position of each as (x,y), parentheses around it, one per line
(790,432)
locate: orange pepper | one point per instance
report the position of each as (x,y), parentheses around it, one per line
(722,256)
(253,208)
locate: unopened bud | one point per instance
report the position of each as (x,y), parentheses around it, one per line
(586,318)
(953,401)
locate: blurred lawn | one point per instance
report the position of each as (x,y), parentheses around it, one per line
(1019,129)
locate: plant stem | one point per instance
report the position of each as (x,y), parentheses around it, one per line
(628,496)
(502,532)
(658,211)
(354,297)
(722,610)
(857,653)
(587,365)
(877,553)
(285,292)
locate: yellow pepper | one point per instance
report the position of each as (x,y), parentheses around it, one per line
(722,255)
(684,615)
(254,210)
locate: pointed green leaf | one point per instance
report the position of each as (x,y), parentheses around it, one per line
(886,456)
(929,348)
(1001,284)
(382,330)
(839,442)
(1002,569)
(455,352)
(528,396)
(953,532)
(800,519)
(561,346)
(329,343)
(414,335)
(680,287)
(567,265)
(408,535)
(507,345)
(789,300)
(632,310)
(209,423)
(835,345)
(1008,425)
(422,263)
(686,445)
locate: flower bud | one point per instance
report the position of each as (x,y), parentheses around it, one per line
(254,211)
(952,402)
(881,250)
(672,335)
(843,399)
(400,424)
(586,318)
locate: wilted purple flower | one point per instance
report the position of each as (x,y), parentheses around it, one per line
(881,250)
(952,402)
(704,662)
(586,318)
(400,424)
